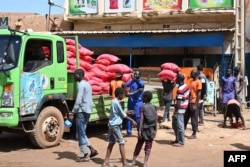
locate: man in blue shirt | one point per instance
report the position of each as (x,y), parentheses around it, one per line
(136,88)
(82,110)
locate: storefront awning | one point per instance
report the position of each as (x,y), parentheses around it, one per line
(154,40)
(151,38)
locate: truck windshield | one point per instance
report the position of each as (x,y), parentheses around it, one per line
(9,51)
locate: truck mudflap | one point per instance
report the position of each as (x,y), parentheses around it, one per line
(9,117)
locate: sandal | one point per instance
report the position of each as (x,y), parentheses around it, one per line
(109,165)
(93,154)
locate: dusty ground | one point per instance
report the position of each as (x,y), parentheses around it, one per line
(206,150)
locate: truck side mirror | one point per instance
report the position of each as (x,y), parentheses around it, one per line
(10,57)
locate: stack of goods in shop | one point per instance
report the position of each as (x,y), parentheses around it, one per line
(168,71)
(98,72)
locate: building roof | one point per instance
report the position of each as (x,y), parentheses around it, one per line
(145,31)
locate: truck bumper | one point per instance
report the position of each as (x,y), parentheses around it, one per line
(9,117)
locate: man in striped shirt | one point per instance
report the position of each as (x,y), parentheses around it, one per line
(182,99)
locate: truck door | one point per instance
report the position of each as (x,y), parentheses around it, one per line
(39,73)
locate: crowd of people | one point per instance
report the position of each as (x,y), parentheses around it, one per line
(142,114)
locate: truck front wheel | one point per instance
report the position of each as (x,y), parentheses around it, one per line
(49,128)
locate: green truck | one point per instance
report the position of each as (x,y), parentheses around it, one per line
(37,92)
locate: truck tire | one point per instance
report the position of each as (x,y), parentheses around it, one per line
(49,128)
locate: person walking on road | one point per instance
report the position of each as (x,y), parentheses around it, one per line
(82,110)
(147,128)
(116,117)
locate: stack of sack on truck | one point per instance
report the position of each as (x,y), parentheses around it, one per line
(98,72)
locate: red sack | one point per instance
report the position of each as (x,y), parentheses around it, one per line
(100,74)
(71,61)
(87,58)
(105,86)
(85,52)
(93,82)
(100,66)
(112,58)
(170,66)
(103,62)
(167,74)
(71,48)
(121,68)
(70,42)
(86,65)
(99,80)
(126,77)
(88,76)
(96,88)
(70,54)
(111,75)
(71,68)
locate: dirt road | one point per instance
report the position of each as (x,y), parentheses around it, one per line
(205,151)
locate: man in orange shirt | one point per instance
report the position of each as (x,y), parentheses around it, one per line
(193,107)
(117,83)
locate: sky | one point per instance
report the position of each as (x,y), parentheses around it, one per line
(33,6)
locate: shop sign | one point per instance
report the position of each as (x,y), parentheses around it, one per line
(4,22)
(82,7)
(161,4)
(194,4)
(118,6)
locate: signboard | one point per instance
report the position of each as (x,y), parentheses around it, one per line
(161,5)
(118,6)
(4,22)
(82,7)
(210,3)
(210,94)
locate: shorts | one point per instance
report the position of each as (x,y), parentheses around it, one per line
(227,97)
(115,134)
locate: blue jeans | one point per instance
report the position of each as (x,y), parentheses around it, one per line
(115,134)
(167,108)
(81,126)
(201,111)
(178,127)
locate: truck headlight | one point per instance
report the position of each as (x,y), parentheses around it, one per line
(7,97)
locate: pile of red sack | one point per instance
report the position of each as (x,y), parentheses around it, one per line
(100,71)
(168,71)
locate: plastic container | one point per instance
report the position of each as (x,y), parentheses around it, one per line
(67,123)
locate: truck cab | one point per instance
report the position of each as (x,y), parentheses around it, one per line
(33,81)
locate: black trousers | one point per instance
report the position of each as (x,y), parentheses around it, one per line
(193,114)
